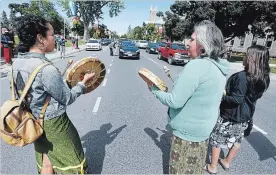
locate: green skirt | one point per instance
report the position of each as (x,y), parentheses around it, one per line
(62,144)
(187,157)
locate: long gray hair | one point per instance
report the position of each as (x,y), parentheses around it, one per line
(210,37)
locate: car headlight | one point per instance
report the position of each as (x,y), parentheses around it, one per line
(121,50)
(151,49)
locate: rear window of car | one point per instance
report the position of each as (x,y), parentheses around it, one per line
(153,44)
(143,41)
(178,47)
(93,41)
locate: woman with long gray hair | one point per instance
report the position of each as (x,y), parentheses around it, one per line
(237,107)
(194,100)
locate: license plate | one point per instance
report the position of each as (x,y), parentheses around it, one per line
(129,54)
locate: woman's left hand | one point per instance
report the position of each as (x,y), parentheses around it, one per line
(149,85)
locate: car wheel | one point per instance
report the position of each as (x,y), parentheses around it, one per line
(159,56)
(170,61)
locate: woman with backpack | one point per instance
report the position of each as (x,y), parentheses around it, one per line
(59,149)
(237,107)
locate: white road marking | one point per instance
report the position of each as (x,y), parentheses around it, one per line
(259,129)
(108,71)
(152,60)
(97,104)
(112,59)
(104,82)
(110,65)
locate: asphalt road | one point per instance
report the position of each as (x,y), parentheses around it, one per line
(123,127)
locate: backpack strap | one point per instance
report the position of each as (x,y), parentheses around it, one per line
(30,81)
(41,116)
(12,84)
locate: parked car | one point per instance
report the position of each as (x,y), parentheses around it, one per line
(93,44)
(129,50)
(174,53)
(105,42)
(142,44)
(152,48)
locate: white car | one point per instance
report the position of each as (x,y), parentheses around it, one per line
(93,44)
(142,44)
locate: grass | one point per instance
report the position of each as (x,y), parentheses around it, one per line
(273,70)
(240,59)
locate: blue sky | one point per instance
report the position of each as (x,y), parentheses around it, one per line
(135,12)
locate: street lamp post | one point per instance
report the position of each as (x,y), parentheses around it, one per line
(64,27)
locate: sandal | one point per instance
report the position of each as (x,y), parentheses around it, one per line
(221,164)
(207,169)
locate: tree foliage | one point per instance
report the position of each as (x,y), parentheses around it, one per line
(91,11)
(234,18)
(5,22)
(44,8)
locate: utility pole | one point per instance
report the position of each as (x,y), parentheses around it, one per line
(64,27)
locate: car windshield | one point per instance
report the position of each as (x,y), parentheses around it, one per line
(178,47)
(125,43)
(143,41)
(153,44)
(93,41)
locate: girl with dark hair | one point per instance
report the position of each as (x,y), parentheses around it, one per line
(237,107)
(59,149)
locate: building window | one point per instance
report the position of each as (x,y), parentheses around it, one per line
(242,41)
(269,41)
(254,41)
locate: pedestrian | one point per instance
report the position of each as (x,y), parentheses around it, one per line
(62,47)
(111,45)
(77,43)
(57,42)
(194,99)
(237,107)
(73,43)
(59,149)
(7,44)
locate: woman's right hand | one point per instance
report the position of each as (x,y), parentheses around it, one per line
(87,77)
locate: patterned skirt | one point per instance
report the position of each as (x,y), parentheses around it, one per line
(187,157)
(227,133)
(62,144)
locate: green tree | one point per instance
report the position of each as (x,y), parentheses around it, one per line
(12,20)
(138,33)
(44,8)
(151,32)
(234,18)
(5,22)
(124,36)
(91,11)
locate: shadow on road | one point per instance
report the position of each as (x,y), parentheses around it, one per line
(262,146)
(95,142)
(163,145)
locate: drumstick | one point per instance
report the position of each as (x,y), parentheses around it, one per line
(68,65)
(167,71)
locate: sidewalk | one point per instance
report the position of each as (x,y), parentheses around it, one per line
(4,68)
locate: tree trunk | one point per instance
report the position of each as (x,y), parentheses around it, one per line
(86,33)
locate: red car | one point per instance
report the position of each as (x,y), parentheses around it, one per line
(174,53)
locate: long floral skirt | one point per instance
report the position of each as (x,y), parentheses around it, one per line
(187,157)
